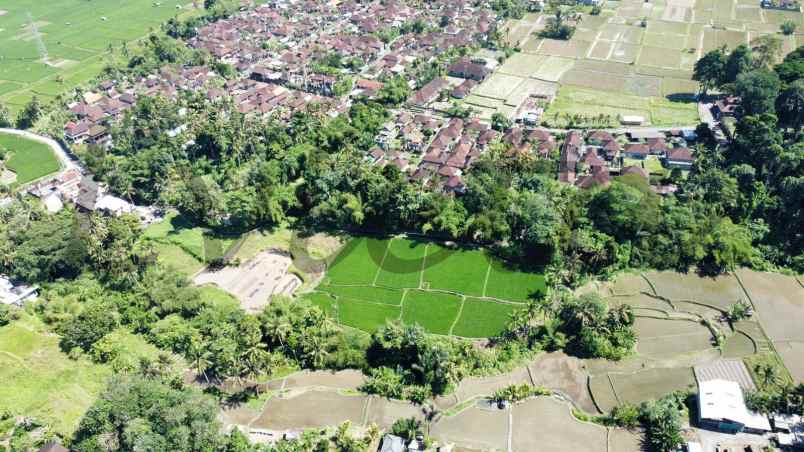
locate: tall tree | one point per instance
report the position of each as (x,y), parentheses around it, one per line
(709,69)
(758,90)
(740,60)
(790,106)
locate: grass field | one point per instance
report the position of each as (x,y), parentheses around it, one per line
(187,247)
(76,34)
(30,160)
(41,381)
(585,101)
(463,292)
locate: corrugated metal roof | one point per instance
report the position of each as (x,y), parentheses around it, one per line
(731,370)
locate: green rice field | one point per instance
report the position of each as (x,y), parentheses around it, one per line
(76,34)
(30,160)
(449,291)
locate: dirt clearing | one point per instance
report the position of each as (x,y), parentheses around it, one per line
(255,281)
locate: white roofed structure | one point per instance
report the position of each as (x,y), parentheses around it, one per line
(721,405)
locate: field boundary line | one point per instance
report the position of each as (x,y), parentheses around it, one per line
(424,262)
(382,261)
(486,281)
(457,316)
(613,390)
(402,303)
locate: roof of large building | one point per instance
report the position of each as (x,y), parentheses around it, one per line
(722,400)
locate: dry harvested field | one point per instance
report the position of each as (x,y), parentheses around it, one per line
(720,292)
(779,301)
(542,423)
(310,410)
(674,35)
(547,424)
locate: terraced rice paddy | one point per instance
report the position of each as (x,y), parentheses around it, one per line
(449,291)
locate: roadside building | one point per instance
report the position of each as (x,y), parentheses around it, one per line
(679,158)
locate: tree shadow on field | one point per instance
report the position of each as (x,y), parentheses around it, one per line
(381,253)
(684,98)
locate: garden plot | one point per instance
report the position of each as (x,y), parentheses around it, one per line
(566,374)
(255,281)
(621,33)
(545,423)
(402,264)
(41,381)
(791,353)
(446,290)
(474,428)
(567,49)
(651,384)
(384,412)
(311,409)
(71,30)
(645,302)
(358,263)
(721,292)
(630,284)
(482,318)
(658,338)
(738,345)
(622,440)
(522,64)
(779,300)
(660,57)
(498,86)
(434,311)
(459,271)
(553,68)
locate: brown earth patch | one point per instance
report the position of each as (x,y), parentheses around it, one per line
(547,424)
(311,409)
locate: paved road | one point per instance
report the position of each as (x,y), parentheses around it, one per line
(66,160)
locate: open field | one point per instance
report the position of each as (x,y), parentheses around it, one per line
(464,292)
(41,381)
(184,246)
(658,56)
(29,160)
(77,35)
(573,100)
(779,301)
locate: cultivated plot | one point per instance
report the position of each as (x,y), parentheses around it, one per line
(482,318)
(30,160)
(463,292)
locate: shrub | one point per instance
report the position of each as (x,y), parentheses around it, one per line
(625,415)
(788,27)
(5,315)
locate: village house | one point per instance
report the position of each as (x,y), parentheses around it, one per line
(728,106)
(468,69)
